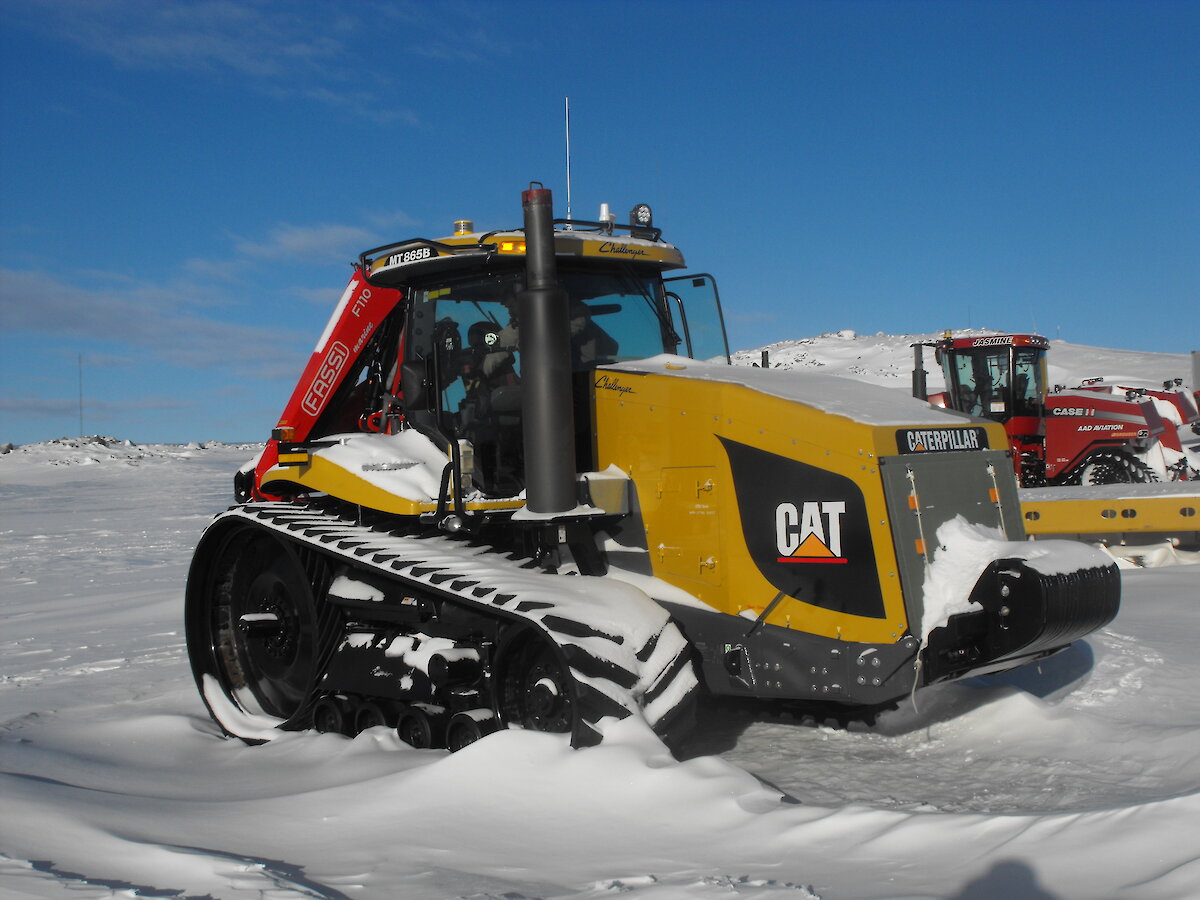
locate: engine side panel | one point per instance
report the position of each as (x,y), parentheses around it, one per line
(759,506)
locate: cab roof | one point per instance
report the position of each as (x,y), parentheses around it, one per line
(394,264)
(996,340)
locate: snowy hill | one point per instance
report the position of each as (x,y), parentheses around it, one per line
(101,449)
(887,359)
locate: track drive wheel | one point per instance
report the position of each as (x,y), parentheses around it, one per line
(536,691)
(255,627)
(1114,467)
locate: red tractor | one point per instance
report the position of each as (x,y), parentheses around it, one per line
(1076,436)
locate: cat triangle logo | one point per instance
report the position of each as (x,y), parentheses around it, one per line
(811,532)
(812,547)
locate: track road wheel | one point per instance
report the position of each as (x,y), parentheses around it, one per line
(469,726)
(1114,467)
(331,715)
(536,690)
(255,628)
(420,728)
(372,713)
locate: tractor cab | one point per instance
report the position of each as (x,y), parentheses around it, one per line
(465,355)
(998,378)
(1002,378)
(465,379)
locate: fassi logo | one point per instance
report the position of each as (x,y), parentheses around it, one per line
(810,532)
(326,380)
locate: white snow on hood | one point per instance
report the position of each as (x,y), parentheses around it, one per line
(832,394)
(407,464)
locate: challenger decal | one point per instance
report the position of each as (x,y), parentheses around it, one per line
(940,440)
(807,531)
(613,383)
(610,247)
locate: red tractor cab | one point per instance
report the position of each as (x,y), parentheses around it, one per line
(1060,437)
(1003,378)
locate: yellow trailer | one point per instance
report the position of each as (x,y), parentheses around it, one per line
(1116,513)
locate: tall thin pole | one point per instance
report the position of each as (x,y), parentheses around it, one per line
(81,395)
(567,101)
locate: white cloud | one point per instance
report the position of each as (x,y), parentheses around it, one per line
(284,51)
(156,320)
(322,243)
(327,243)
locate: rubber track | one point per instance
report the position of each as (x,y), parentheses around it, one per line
(617,642)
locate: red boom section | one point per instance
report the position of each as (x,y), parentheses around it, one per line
(360,311)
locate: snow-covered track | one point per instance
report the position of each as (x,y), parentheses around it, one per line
(623,653)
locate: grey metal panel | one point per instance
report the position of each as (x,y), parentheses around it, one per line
(946,485)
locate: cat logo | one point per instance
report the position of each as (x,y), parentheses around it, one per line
(807,530)
(810,532)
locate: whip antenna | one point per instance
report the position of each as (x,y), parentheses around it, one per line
(568,121)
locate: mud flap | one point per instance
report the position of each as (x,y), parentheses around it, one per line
(1024,614)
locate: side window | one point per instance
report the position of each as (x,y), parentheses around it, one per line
(613,319)
(969,400)
(1027,382)
(695,300)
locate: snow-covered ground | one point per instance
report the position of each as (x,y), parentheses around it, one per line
(1078,778)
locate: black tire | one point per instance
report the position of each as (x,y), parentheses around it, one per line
(255,627)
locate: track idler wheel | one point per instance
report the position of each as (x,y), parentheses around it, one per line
(256,632)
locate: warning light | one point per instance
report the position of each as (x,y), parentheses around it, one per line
(464,226)
(512,246)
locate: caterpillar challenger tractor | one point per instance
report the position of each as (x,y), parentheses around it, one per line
(519,485)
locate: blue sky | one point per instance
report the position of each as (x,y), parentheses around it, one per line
(183,185)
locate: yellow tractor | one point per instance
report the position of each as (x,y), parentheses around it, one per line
(520,485)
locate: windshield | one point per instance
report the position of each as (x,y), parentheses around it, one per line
(997,382)
(469,331)
(614,317)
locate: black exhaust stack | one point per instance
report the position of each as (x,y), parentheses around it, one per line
(919,387)
(548,425)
